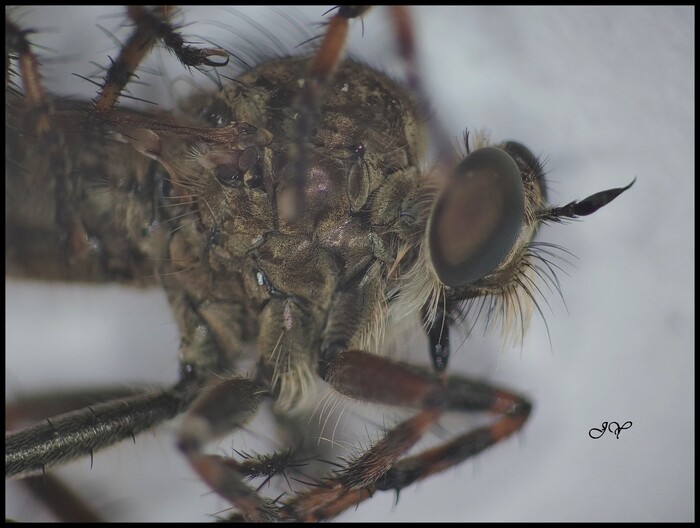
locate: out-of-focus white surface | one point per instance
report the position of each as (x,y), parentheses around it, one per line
(607,94)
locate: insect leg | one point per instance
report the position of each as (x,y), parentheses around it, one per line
(39,406)
(37,105)
(322,66)
(221,408)
(514,412)
(372,378)
(48,489)
(406,40)
(151,26)
(82,432)
(355,482)
(60,499)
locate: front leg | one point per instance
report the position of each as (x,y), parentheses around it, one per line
(368,377)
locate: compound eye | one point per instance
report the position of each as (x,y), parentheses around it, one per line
(477,217)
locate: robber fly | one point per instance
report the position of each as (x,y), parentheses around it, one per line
(290,208)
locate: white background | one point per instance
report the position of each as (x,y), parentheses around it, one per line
(607,94)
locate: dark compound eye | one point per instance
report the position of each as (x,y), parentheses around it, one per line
(529,164)
(477,217)
(520,154)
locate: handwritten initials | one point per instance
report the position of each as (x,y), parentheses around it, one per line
(614,427)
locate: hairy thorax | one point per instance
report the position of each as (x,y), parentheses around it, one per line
(299,279)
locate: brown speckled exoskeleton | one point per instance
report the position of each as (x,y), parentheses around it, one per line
(290,209)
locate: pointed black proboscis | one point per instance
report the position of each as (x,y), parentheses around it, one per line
(584,207)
